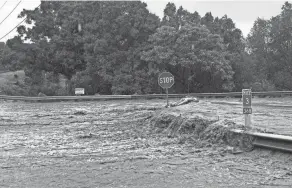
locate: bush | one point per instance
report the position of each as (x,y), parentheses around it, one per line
(264,85)
(49,89)
(282,80)
(14,90)
(62,92)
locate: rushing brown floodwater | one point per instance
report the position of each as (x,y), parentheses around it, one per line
(107,144)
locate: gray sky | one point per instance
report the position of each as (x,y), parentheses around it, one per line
(243,12)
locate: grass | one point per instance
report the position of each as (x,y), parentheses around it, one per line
(8,81)
(8,78)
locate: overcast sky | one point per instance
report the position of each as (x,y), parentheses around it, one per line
(242,12)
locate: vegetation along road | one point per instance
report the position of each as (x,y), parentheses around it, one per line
(121,47)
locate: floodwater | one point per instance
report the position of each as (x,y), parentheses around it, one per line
(108,144)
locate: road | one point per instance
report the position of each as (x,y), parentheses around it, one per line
(112,144)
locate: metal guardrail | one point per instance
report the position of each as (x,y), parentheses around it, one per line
(269,141)
(149,96)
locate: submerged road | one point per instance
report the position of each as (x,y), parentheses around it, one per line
(108,144)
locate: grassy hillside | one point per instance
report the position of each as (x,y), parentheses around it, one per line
(9,77)
(8,81)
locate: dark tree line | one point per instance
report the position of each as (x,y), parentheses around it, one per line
(120,48)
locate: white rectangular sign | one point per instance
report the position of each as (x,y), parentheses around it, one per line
(79,91)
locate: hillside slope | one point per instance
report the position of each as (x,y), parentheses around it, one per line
(9,79)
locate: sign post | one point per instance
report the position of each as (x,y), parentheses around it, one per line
(246,104)
(166,96)
(166,80)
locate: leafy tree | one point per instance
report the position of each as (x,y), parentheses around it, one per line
(258,46)
(208,21)
(120,48)
(170,18)
(193,55)
(270,43)
(234,42)
(113,44)
(10,60)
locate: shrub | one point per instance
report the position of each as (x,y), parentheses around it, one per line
(264,85)
(282,80)
(14,90)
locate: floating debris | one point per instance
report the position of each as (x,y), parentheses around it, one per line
(185,100)
(205,130)
(80,113)
(90,135)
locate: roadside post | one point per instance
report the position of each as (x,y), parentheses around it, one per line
(246,104)
(166,80)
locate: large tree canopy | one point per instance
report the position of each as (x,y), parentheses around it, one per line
(193,55)
(120,48)
(101,40)
(270,43)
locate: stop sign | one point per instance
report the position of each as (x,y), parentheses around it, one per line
(166,80)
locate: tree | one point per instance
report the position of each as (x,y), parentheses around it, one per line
(208,20)
(113,44)
(55,37)
(170,18)
(191,54)
(234,42)
(10,60)
(270,44)
(281,48)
